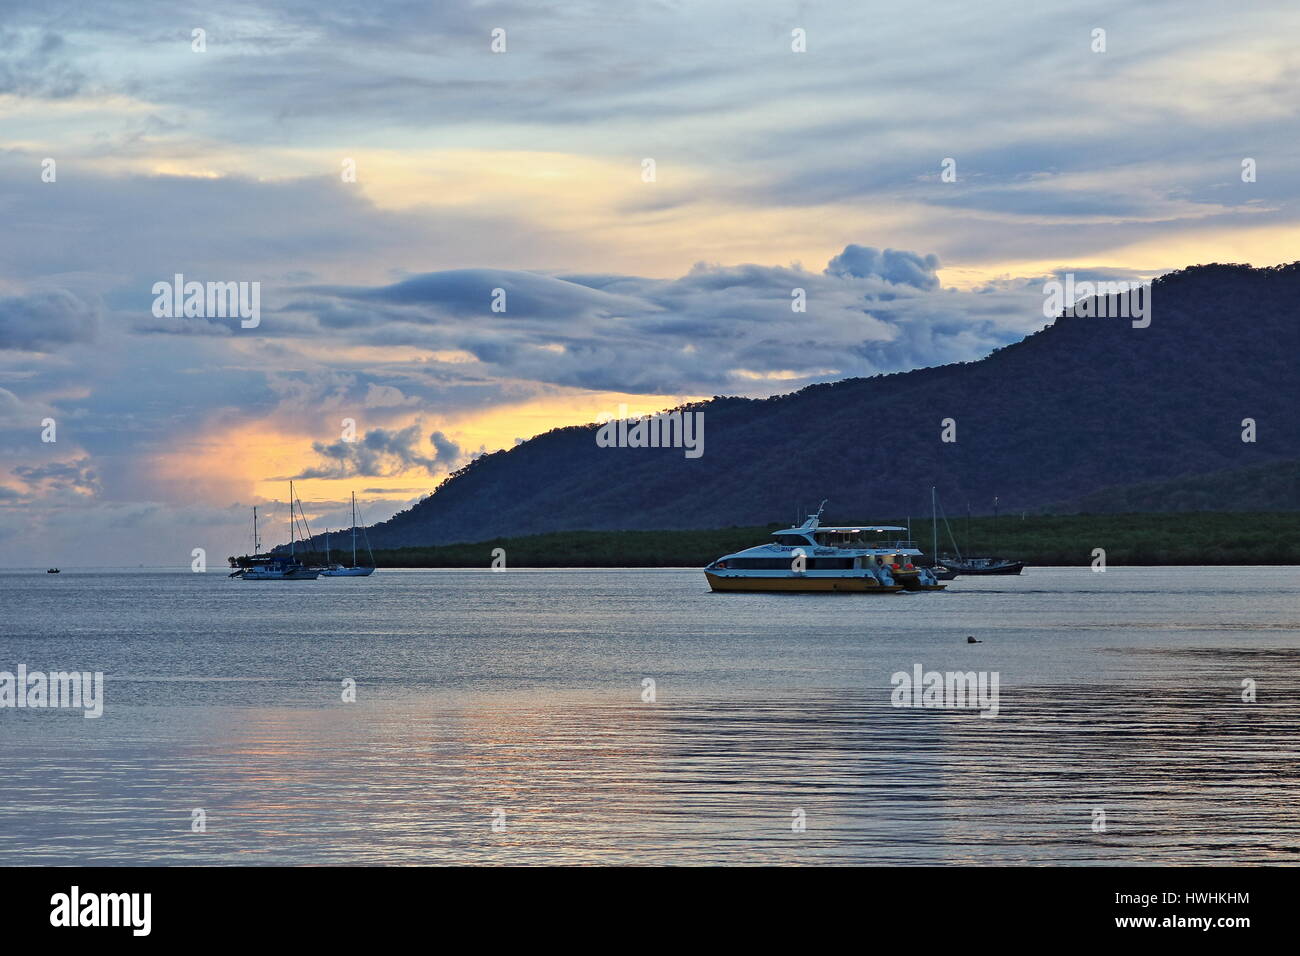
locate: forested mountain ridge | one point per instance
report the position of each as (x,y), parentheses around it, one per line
(1085,407)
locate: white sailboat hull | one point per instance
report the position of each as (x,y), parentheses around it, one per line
(296,573)
(337,570)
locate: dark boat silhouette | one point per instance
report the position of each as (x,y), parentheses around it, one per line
(275,567)
(983,565)
(969,565)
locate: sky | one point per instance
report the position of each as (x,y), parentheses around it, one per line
(646,184)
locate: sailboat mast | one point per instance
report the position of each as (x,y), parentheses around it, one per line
(257,547)
(995,523)
(354,529)
(291,519)
(934,526)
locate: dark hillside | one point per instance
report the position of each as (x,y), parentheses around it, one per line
(1085,406)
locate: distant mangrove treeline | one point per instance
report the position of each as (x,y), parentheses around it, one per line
(1133,539)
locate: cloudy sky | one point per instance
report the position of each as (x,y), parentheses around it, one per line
(132,150)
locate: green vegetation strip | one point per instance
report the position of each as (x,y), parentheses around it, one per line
(1133,539)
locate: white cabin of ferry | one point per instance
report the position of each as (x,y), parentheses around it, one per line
(827,548)
(888,542)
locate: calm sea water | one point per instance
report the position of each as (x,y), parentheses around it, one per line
(521,692)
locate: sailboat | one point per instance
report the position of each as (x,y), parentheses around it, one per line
(275,567)
(337,570)
(941,572)
(971,565)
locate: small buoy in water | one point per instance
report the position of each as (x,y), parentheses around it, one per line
(971,640)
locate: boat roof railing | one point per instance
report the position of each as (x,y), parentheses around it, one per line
(850,529)
(862,528)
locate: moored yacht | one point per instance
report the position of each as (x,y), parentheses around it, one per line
(983,565)
(354,570)
(813,557)
(273,567)
(970,565)
(267,567)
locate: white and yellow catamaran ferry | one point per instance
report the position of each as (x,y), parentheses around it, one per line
(816,558)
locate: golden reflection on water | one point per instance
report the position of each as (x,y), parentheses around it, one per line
(600,777)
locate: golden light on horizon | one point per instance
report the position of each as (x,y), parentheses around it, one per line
(254,461)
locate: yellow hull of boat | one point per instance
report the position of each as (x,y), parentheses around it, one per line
(862,585)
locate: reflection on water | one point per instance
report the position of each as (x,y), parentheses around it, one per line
(477,694)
